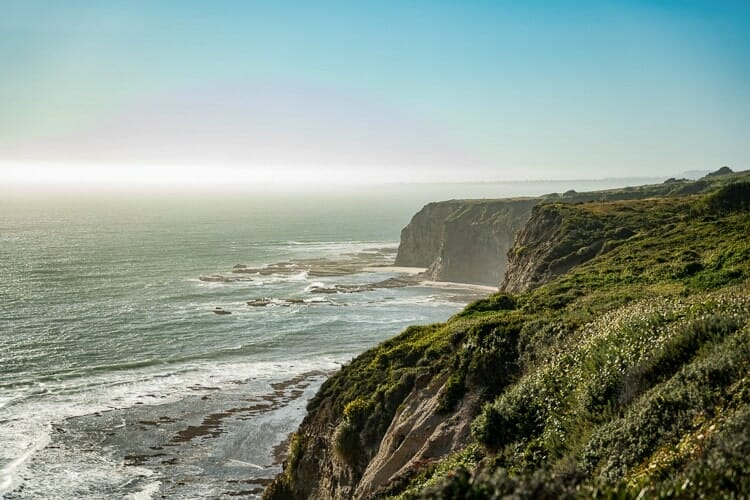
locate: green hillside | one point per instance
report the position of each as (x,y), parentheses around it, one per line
(627,375)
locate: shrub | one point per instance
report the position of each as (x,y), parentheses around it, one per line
(541,484)
(512,417)
(675,353)
(667,410)
(723,469)
(346,441)
(453,391)
(356,410)
(296,449)
(733,197)
(278,490)
(496,302)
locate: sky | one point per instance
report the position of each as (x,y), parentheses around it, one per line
(251,92)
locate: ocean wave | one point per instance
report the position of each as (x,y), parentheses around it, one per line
(317,285)
(9,471)
(146,493)
(26,424)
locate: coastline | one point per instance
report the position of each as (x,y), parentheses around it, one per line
(409,271)
(652,349)
(220,442)
(137,434)
(417,271)
(462,286)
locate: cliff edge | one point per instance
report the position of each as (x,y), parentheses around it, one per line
(423,237)
(470,241)
(618,367)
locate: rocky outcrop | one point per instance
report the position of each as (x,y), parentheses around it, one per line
(722,171)
(559,237)
(419,434)
(528,259)
(464,240)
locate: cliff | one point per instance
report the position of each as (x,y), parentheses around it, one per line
(559,237)
(422,238)
(475,238)
(469,240)
(618,366)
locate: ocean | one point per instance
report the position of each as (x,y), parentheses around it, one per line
(119,379)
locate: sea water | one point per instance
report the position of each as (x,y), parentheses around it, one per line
(117,379)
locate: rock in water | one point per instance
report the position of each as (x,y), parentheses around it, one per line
(259,302)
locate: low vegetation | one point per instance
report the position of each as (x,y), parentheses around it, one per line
(626,376)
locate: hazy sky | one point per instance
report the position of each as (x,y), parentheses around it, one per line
(149,91)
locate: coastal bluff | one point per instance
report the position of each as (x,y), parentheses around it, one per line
(464,240)
(613,361)
(472,240)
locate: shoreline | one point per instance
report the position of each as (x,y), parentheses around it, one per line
(462,286)
(416,271)
(411,271)
(226,442)
(215,442)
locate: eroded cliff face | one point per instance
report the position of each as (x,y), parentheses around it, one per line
(468,240)
(558,238)
(418,434)
(476,240)
(528,258)
(464,241)
(422,238)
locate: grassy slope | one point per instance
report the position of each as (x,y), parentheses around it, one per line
(630,371)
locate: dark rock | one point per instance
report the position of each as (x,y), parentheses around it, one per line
(259,302)
(217,278)
(323,289)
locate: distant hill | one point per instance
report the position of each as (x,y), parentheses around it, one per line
(692,174)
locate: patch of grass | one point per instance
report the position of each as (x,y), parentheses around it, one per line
(493,303)
(454,390)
